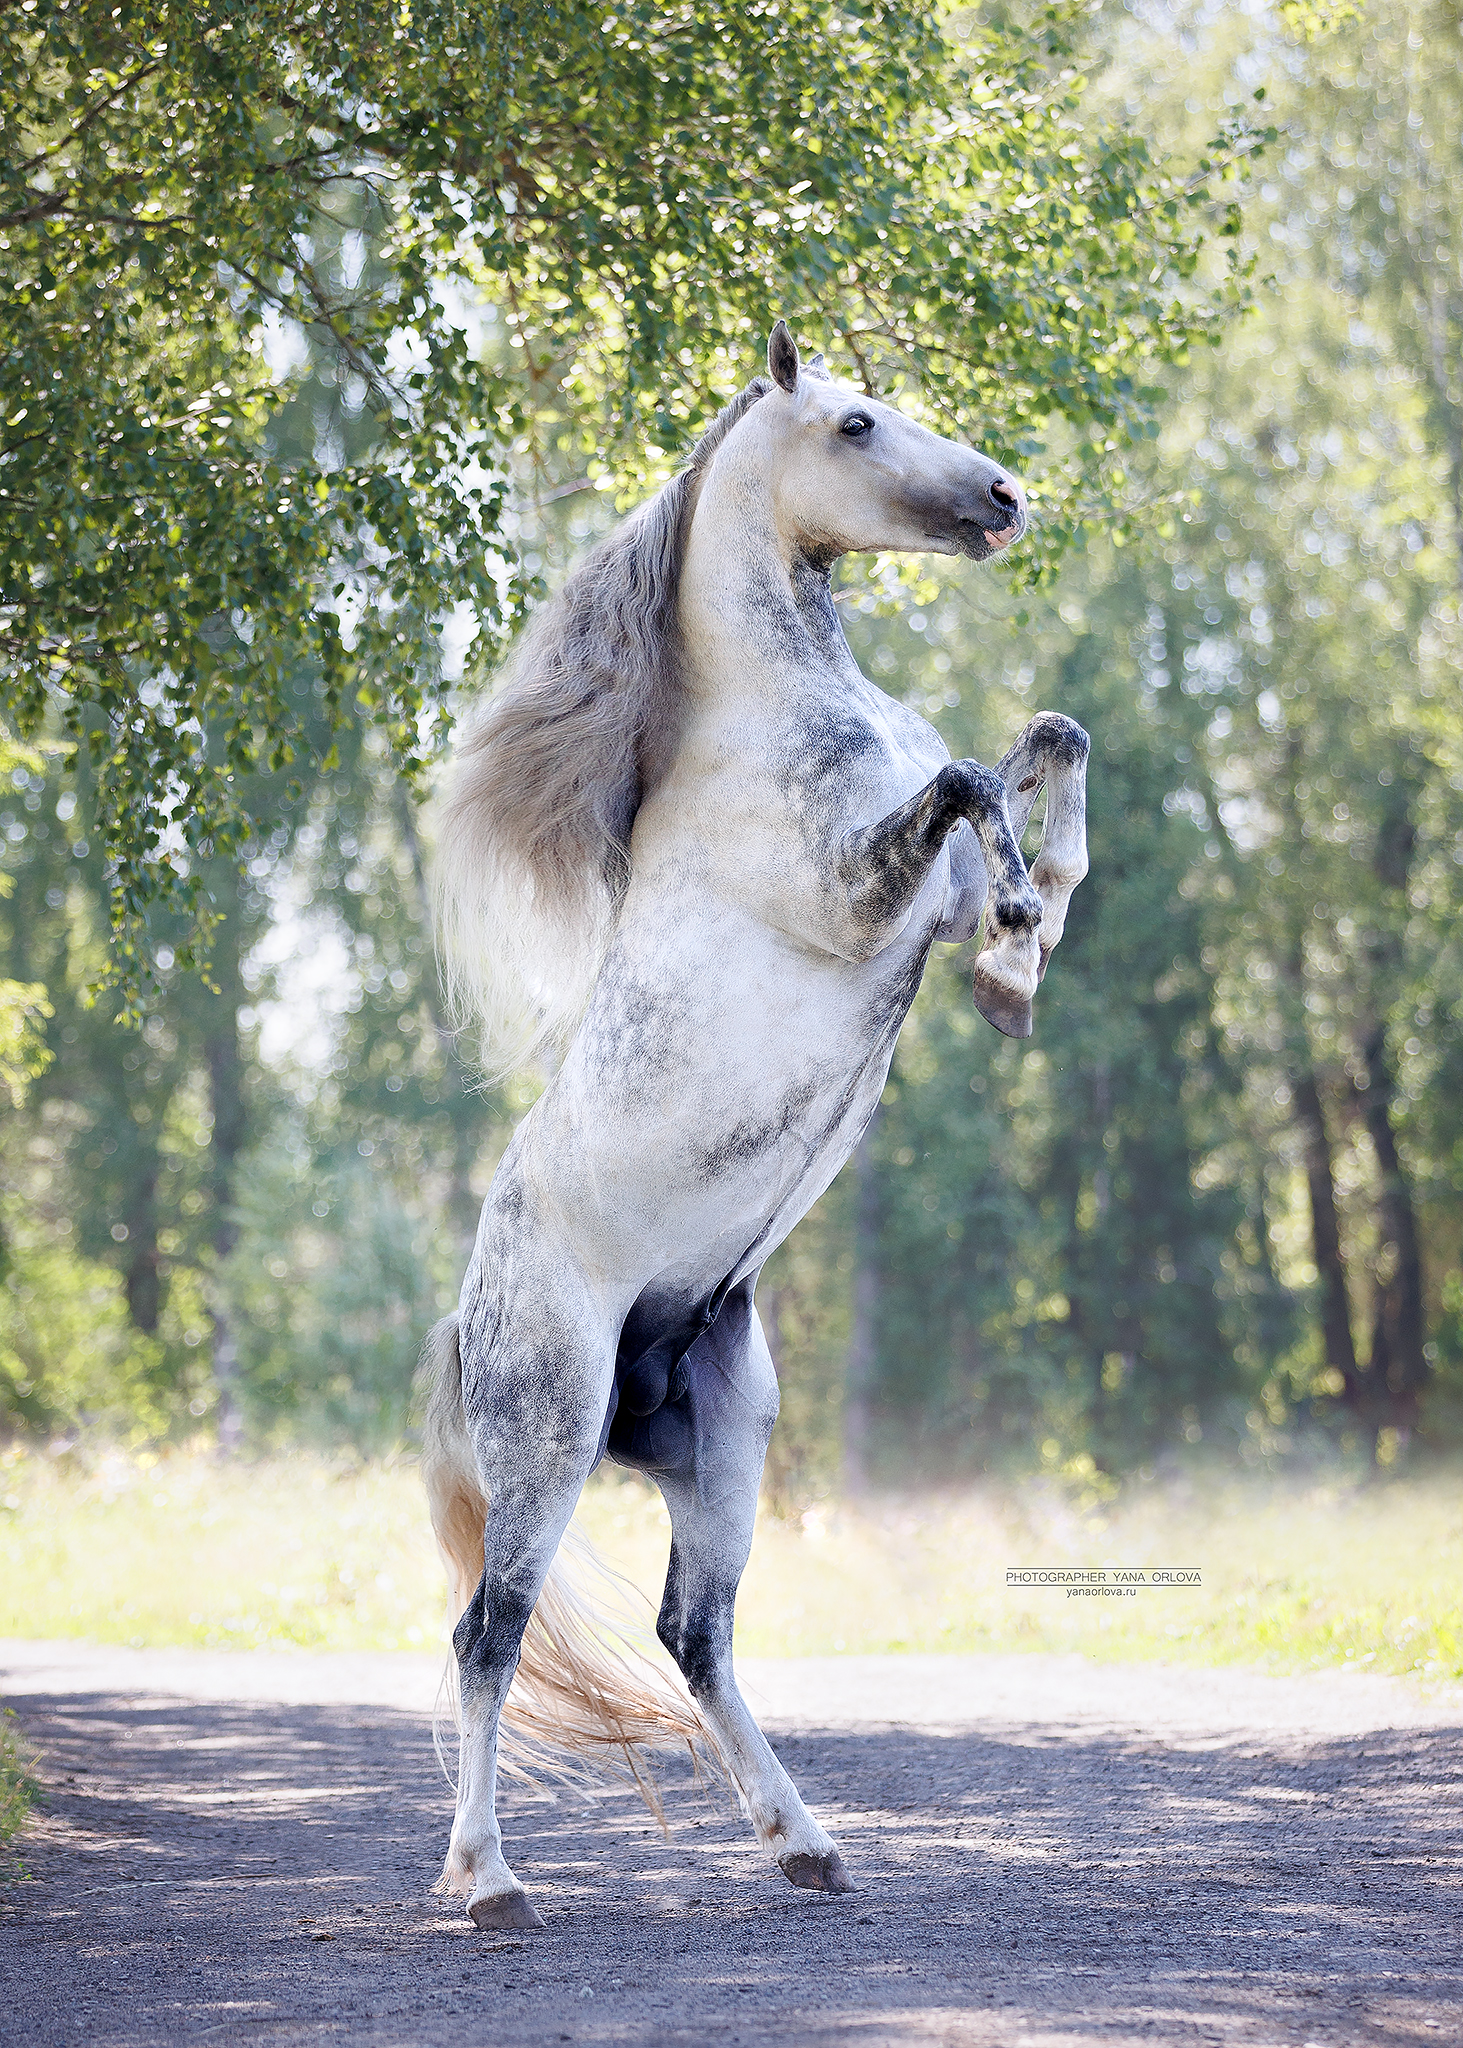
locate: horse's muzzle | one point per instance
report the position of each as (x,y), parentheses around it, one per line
(983,513)
(981,537)
(1008,504)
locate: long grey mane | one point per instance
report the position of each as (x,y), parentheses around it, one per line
(534,828)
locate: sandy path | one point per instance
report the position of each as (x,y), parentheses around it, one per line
(238,1848)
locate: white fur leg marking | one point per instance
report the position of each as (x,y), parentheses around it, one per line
(1010,965)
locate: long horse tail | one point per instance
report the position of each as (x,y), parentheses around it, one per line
(584,1693)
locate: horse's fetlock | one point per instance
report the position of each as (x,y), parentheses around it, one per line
(457,1879)
(1017,914)
(778,1830)
(1060,736)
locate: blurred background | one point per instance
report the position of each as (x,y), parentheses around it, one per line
(1189,1256)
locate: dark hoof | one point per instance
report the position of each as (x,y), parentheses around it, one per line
(1011,1014)
(817,1873)
(508,1909)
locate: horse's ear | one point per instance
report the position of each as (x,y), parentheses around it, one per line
(782,357)
(814,366)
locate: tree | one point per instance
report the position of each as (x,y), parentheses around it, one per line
(1060,1252)
(287,1228)
(1222,1186)
(485,225)
(1315,604)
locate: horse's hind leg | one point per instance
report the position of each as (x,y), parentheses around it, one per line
(724,1422)
(536,1367)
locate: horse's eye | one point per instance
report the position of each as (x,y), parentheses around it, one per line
(856,425)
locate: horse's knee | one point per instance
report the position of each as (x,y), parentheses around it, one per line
(468,1632)
(701,1646)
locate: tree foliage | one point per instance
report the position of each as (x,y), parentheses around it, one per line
(461,225)
(1221,1190)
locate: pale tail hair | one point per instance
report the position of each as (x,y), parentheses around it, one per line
(584,1693)
(533,832)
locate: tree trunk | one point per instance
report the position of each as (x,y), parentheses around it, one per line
(862,1365)
(1326,1234)
(224,1061)
(144,1279)
(1305,1090)
(1399,1367)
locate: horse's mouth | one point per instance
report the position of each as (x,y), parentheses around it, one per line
(980,542)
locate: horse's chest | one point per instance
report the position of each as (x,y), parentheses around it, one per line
(768,838)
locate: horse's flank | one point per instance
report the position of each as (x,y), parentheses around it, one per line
(534,831)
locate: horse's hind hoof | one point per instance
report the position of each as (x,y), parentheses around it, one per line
(999,1006)
(817,1873)
(505,1909)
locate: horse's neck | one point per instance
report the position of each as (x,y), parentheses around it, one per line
(758,625)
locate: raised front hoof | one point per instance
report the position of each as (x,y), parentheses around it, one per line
(505,1909)
(812,1873)
(999,1006)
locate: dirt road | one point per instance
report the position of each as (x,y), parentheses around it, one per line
(240,1848)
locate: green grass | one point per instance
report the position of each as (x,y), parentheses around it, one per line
(300,1550)
(18,1791)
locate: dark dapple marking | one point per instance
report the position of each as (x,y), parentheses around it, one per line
(754,1136)
(695,841)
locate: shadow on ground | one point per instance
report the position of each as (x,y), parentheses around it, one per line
(262,1874)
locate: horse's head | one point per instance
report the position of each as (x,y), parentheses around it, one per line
(853,475)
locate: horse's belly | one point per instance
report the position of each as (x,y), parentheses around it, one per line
(709,1099)
(694,1207)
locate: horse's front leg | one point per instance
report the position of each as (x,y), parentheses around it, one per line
(884,866)
(1052,750)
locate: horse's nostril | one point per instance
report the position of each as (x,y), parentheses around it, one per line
(1006,494)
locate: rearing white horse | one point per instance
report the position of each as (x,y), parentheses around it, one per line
(691,833)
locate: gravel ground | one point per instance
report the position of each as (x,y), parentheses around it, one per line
(240,1848)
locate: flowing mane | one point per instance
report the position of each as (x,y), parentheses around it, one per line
(534,828)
